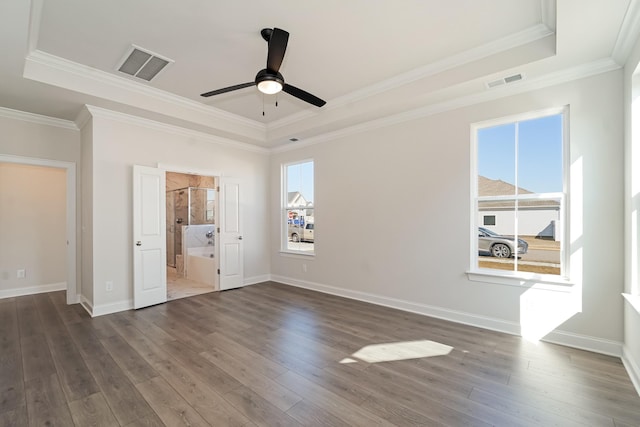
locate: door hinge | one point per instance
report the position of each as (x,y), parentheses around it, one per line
(218,188)
(218,271)
(218,230)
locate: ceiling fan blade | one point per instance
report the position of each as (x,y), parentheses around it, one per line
(303,95)
(228,89)
(277,47)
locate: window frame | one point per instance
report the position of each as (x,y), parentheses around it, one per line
(284,209)
(521,278)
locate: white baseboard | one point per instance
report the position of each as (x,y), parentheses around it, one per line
(84,302)
(632,366)
(116,307)
(31,290)
(583,342)
(256,279)
(101,310)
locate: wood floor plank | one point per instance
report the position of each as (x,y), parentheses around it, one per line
(36,357)
(172,409)
(46,403)
(257,409)
(272,354)
(28,316)
(203,398)
(92,411)
(134,366)
(75,378)
(271,391)
(310,415)
(339,407)
(261,364)
(15,418)
(11,373)
(125,401)
(67,313)
(201,367)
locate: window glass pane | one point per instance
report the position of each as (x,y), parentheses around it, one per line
(496,160)
(299,207)
(495,242)
(524,160)
(540,154)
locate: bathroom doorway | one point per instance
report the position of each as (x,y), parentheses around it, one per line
(192,241)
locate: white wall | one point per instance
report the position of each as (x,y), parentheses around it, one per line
(35,137)
(632,216)
(86,201)
(32,226)
(119,142)
(412,248)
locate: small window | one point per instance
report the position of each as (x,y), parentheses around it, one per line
(298,208)
(520,193)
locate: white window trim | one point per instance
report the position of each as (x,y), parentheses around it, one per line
(521,278)
(284,251)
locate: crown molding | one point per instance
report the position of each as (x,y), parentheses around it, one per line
(83,117)
(521,38)
(99,112)
(582,71)
(628,35)
(47,63)
(37,118)
(548,11)
(35,17)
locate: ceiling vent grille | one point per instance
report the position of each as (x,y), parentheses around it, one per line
(142,63)
(505,80)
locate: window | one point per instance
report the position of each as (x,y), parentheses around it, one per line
(489,220)
(519,196)
(297,208)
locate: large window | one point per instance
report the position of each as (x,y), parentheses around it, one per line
(519,221)
(297,208)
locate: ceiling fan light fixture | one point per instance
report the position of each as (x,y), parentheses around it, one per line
(269,87)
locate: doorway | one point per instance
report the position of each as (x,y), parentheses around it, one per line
(191,234)
(67,240)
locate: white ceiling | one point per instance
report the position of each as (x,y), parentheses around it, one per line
(370,60)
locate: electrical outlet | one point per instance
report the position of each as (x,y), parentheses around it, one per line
(21,273)
(304,268)
(109,286)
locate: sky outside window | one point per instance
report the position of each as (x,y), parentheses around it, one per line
(300,178)
(539,152)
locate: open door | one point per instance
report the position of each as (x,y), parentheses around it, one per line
(231,244)
(149,234)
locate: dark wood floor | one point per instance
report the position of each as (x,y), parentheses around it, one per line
(274,355)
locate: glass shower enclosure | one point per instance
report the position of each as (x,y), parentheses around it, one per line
(187,206)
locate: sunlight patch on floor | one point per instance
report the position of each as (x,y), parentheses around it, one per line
(403,350)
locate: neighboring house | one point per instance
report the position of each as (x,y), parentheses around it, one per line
(296,200)
(538,218)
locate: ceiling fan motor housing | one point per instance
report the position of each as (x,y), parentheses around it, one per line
(269,81)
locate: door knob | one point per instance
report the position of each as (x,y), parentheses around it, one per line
(138,243)
(239,237)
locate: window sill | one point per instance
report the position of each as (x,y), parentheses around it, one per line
(633,300)
(522,280)
(301,255)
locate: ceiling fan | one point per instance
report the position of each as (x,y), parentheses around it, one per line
(269,80)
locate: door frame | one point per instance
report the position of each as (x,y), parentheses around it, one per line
(73,296)
(202,172)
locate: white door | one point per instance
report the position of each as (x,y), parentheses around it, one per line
(231,244)
(149,231)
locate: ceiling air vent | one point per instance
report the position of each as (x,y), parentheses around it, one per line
(143,63)
(505,80)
